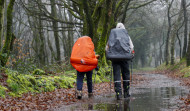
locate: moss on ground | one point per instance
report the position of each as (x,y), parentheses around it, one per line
(179,68)
(19,84)
(39,81)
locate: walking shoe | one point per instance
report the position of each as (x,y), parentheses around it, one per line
(118,95)
(79,94)
(90,95)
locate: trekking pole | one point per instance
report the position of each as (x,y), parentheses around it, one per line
(131,73)
(94,80)
(76,88)
(110,80)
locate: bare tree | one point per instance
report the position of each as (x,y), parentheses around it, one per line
(55,30)
(173,34)
(185,27)
(188,53)
(168,33)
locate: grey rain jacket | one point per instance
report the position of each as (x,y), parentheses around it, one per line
(119,45)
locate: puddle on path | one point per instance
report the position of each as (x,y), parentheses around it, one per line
(160,94)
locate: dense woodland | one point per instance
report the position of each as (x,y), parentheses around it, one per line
(37,36)
(38,33)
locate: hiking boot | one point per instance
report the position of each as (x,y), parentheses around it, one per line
(118,90)
(126,87)
(118,95)
(90,95)
(79,94)
(126,94)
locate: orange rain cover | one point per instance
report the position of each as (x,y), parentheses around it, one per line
(83,57)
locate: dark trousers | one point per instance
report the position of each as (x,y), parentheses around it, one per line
(80,77)
(121,67)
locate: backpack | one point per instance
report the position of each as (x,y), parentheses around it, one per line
(83,57)
(118,45)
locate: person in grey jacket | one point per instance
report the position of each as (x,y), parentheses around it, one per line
(123,66)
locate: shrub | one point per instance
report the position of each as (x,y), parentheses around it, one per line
(38,72)
(2,91)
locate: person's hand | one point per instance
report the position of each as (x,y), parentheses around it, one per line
(133,54)
(97,56)
(97,68)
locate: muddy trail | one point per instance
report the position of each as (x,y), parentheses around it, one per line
(149,92)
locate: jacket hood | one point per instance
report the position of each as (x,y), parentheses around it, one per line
(120,25)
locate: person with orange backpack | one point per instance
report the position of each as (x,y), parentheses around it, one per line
(84,60)
(120,50)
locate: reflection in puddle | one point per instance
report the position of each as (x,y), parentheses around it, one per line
(150,99)
(122,105)
(159,94)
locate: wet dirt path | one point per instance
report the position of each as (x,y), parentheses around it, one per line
(152,92)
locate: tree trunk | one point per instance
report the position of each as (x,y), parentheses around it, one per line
(42,43)
(35,42)
(168,34)
(90,24)
(1,17)
(63,32)
(188,53)
(185,27)
(173,36)
(106,28)
(125,11)
(55,30)
(4,54)
(70,35)
(161,45)
(155,56)
(179,41)
(51,48)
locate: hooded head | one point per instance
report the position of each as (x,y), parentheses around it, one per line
(120,25)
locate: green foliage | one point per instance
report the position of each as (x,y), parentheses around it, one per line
(97,79)
(20,83)
(37,82)
(26,66)
(58,68)
(179,68)
(71,73)
(38,72)
(2,91)
(178,65)
(163,67)
(2,69)
(102,75)
(29,65)
(3,58)
(23,83)
(186,72)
